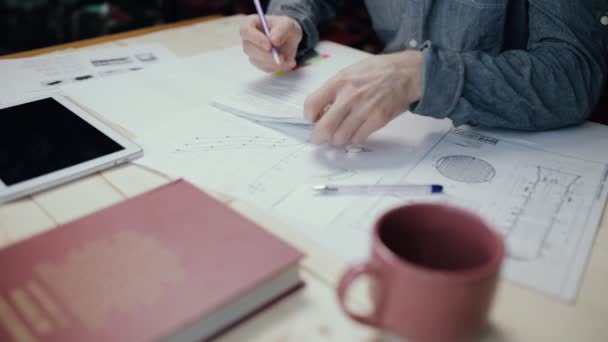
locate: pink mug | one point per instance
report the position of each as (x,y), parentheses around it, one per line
(435,270)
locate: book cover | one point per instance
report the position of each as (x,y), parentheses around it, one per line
(171,260)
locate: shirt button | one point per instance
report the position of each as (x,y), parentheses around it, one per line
(604,20)
(413,43)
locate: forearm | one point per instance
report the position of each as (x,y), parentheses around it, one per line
(531,90)
(309,13)
(553,83)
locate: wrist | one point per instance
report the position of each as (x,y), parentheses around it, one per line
(411,63)
(302,46)
(416,81)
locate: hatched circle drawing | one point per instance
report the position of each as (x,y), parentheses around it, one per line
(465,169)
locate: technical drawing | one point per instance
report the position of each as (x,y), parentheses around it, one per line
(273,184)
(465,169)
(543,197)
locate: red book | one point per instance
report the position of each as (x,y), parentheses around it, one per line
(172,263)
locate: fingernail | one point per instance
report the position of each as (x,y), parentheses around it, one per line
(310,117)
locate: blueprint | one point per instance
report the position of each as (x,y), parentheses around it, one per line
(547,206)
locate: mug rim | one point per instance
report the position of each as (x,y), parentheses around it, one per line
(468,274)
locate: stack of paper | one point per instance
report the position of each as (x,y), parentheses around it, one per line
(277,101)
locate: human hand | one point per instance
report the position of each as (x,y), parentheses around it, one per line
(285,36)
(364,97)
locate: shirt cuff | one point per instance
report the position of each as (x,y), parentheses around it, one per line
(443,80)
(310,33)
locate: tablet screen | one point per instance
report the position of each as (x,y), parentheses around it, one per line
(43,136)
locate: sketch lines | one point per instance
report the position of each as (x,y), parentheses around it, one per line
(228,142)
(300,167)
(542,199)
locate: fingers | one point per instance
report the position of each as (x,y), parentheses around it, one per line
(288,52)
(317,103)
(349,126)
(329,123)
(344,124)
(285,35)
(348,118)
(282,30)
(371,125)
(263,59)
(251,32)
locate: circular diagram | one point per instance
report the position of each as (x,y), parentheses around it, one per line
(465,169)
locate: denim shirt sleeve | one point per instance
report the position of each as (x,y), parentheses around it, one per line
(309,13)
(555,82)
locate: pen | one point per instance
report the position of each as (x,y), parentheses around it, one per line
(381,188)
(258,8)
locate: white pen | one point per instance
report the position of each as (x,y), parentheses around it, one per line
(258,8)
(380,188)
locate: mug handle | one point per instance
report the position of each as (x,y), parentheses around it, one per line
(348,277)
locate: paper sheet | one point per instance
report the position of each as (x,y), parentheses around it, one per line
(168,108)
(222,152)
(547,206)
(34,76)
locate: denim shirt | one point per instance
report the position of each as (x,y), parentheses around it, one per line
(521,64)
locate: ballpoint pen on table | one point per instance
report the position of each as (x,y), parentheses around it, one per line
(258,8)
(413,189)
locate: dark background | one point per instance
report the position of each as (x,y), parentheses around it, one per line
(30,24)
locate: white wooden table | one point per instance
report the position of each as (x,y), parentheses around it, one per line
(312,314)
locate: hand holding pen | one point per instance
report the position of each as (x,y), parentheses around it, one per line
(271,42)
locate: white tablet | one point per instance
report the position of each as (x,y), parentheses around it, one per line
(48,141)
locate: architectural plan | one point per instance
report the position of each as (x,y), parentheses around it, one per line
(547,206)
